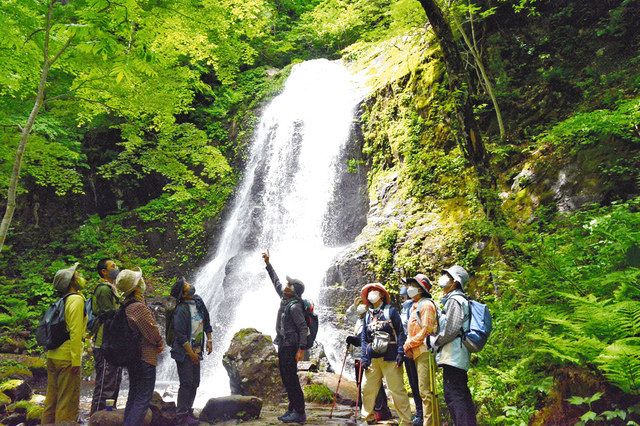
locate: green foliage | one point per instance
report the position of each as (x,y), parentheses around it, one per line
(382,249)
(318,393)
(589,128)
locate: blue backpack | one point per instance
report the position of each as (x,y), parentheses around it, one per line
(480,326)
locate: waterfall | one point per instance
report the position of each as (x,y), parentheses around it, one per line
(281,204)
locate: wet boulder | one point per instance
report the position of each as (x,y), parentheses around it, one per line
(164,413)
(114,418)
(252,364)
(234,407)
(347,393)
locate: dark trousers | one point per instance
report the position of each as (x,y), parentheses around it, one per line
(412,374)
(142,380)
(289,374)
(108,378)
(189,375)
(458,396)
(381,399)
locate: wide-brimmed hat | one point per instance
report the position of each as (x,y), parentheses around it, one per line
(128,280)
(62,279)
(422,281)
(374,286)
(459,274)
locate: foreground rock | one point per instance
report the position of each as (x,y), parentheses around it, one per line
(164,413)
(114,418)
(252,365)
(234,407)
(347,393)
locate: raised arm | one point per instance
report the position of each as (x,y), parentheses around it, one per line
(277,285)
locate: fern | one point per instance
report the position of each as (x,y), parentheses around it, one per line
(620,363)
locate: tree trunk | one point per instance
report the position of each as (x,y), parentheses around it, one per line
(24,136)
(483,73)
(472,145)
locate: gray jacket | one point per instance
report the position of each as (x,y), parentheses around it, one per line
(291,325)
(453,319)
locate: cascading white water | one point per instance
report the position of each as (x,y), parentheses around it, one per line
(280,205)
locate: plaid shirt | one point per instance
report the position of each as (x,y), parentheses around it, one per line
(141,319)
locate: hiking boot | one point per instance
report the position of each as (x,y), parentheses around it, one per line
(191,420)
(287,414)
(295,417)
(382,415)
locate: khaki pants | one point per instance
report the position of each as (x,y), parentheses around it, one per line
(63,393)
(393,376)
(426,366)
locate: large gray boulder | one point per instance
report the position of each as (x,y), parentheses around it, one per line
(234,407)
(164,413)
(252,365)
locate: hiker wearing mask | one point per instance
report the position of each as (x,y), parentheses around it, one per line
(423,321)
(381,409)
(64,363)
(105,300)
(409,365)
(292,331)
(190,324)
(142,375)
(382,340)
(451,353)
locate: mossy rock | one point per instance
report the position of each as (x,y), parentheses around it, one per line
(32,410)
(22,367)
(16,389)
(4,399)
(317,392)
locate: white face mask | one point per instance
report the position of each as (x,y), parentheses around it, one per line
(361,309)
(374,296)
(444,280)
(412,292)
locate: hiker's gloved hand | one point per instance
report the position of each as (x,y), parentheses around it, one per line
(265,257)
(365,364)
(431,343)
(353,341)
(399,360)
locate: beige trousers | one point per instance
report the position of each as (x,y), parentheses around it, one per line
(63,393)
(426,367)
(393,376)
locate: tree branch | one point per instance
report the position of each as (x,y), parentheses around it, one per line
(62,49)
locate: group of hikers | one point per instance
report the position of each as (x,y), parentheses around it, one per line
(421,336)
(117,309)
(124,334)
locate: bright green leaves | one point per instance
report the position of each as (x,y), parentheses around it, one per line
(182,154)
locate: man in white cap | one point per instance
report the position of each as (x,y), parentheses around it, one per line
(451,353)
(63,363)
(142,376)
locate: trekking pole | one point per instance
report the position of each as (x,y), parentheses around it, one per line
(335,395)
(359,384)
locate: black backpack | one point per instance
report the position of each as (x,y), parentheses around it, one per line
(120,342)
(52,330)
(168,325)
(312,320)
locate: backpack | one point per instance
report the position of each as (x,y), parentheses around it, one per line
(52,330)
(311,318)
(120,343)
(480,326)
(381,339)
(168,322)
(418,314)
